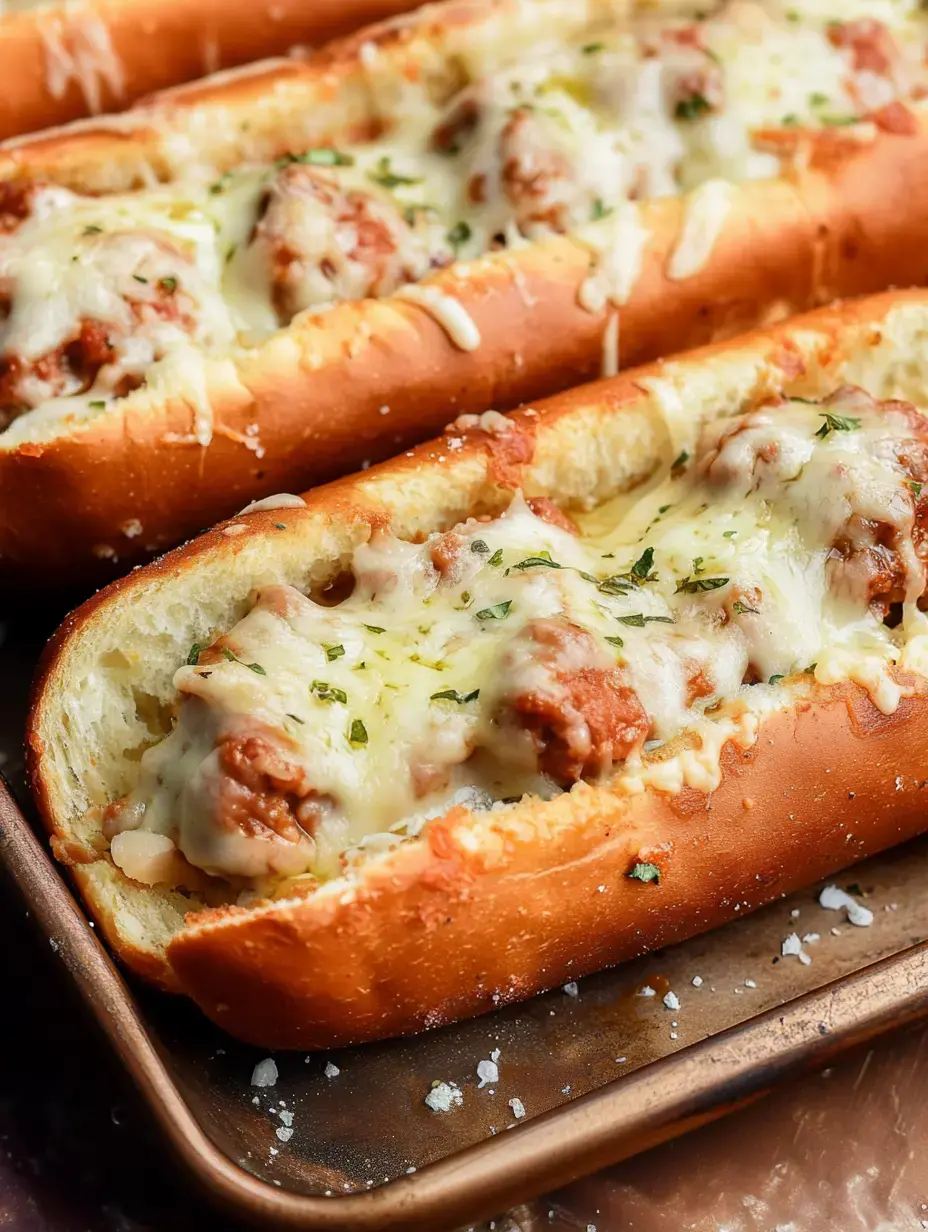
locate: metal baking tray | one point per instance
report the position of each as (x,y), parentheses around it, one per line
(602,1071)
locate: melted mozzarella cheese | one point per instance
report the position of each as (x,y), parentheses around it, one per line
(387,706)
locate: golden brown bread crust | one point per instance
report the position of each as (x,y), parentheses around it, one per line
(440,932)
(441,926)
(64,62)
(850,223)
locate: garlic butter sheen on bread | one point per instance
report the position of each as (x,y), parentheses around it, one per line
(254,283)
(547,693)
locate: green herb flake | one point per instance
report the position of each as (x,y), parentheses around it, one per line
(641,569)
(139,278)
(168,284)
(590,49)
(459,234)
(914,487)
(496,558)
(742,609)
(680,461)
(615,641)
(837,423)
(542,561)
(92,229)
(97,405)
(776,679)
(839,121)
(374,629)
(645,872)
(333,652)
(452,695)
(478,546)
(699,565)
(638,620)
(729,534)
(328,693)
(692,586)
(692,108)
(388,178)
(321,156)
(499,611)
(615,585)
(817,99)
(357,733)
(193,655)
(296,718)
(599,210)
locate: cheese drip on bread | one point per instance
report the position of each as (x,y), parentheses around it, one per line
(522,653)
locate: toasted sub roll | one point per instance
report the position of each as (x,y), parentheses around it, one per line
(539,696)
(270,278)
(63,61)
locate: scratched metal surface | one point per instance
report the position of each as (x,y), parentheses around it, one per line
(76,1152)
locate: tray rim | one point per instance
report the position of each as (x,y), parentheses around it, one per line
(657,1102)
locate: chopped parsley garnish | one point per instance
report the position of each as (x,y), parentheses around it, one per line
(139,278)
(742,609)
(499,611)
(478,546)
(692,586)
(692,108)
(542,561)
(680,461)
(817,99)
(358,732)
(459,234)
(698,565)
(496,558)
(839,121)
(168,284)
(281,525)
(615,641)
(615,585)
(641,569)
(193,655)
(790,120)
(729,534)
(92,229)
(97,406)
(913,485)
(645,872)
(252,667)
(638,620)
(220,185)
(599,210)
(775,679)
(321,156)
(411,211)
(374,629)
(328,693)
(590,49)
(837,423)
(296,718)
(452,695)
(388,178)
(333,652)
